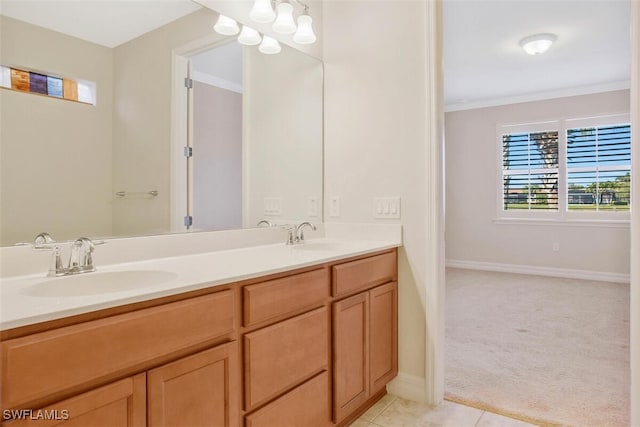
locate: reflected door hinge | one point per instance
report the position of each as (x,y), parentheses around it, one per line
(188,221)
(188,151)
(188,83)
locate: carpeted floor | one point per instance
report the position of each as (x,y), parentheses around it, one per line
(545,350)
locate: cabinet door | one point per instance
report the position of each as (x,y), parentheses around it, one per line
(305,406)
(351,355)
(383,335)
(120,404)
(199,390)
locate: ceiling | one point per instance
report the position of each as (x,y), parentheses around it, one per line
(105,22)
(484,65)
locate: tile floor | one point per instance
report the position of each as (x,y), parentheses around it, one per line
(391,411)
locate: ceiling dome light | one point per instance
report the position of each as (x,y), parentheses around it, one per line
(284,23)
(262,11)
(538,43)
(226,26)
(269,46)
(304,34)
(248,36)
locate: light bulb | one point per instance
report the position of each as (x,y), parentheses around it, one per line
(537,44)
(262,11)
(284,23)
(248,36)
(226,26)
(304,34)
(269,46)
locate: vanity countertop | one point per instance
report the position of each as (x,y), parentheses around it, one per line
(27,300)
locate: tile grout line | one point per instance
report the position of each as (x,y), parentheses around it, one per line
(479,418)
(384,409)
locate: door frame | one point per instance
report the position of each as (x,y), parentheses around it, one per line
(180,196)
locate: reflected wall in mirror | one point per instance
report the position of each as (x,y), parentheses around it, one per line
(63,162)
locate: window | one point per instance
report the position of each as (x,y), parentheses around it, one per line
(569,169)
(599,168)
(530,170)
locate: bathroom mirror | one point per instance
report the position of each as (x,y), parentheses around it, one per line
(117,166)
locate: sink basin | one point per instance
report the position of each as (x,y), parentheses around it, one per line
(321,246)
(98,283)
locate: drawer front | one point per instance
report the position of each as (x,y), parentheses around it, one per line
(279,297)
(282,355)
(364,273)
(304,406)
(45,363)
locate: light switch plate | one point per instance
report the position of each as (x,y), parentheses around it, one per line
(386,207)
(334,206)
(312,206)
(272,206)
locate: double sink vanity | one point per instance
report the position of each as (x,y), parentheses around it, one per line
(266,335)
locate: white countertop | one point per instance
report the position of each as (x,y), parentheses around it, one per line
(175,275)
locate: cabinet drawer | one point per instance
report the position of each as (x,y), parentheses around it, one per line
(278,297)
(282,355)
(304,406)
(364,273)
(45,363)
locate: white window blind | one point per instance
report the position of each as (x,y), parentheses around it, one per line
(530,171)
(599,168)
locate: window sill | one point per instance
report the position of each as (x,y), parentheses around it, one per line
(603,223)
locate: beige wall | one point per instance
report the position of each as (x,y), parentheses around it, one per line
(472,197)
(55,155)
(142,121)
(283,141)
(375,138)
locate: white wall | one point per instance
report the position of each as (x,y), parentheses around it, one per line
(55,154)
(282,134)
(376,143)
(635,220)
(471,194)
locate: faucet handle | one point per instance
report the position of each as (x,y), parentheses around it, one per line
(291,233)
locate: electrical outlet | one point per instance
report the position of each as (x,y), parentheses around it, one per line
(386,207)
(334,206)
(556,247)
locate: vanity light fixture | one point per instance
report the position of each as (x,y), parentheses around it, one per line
(538,43)
(304,33)
(226,26)
(262,11)
(284,23)
(248,36)
(269,46)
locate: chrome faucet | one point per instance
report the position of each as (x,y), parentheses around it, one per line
(300,230)
(80,260)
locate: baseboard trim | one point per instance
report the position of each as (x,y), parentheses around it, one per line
(540,271)
(408,387)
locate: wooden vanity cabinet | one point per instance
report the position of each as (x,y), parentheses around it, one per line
(365,332)
(312,348)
